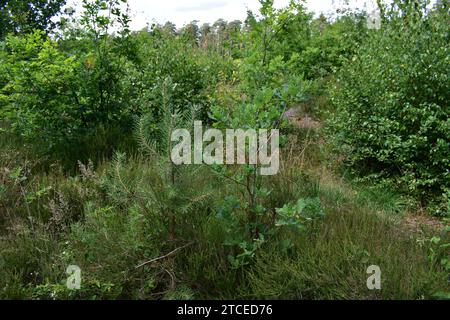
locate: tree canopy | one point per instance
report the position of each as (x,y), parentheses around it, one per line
(23,16)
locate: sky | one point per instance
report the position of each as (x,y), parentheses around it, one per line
(180,12)
(184,11)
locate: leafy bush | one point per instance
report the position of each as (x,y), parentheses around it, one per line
(56,93)
(37,96)
(331,45)
(51,97)
(392,103)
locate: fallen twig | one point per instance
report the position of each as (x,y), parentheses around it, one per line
(164,256)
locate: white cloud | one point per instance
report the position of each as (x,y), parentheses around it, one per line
(183,11)
(203,6)
(180,12)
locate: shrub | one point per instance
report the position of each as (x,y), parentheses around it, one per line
(52,98)
(392,103)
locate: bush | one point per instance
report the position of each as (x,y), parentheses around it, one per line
(392,107)
(331,45)
(54,98)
